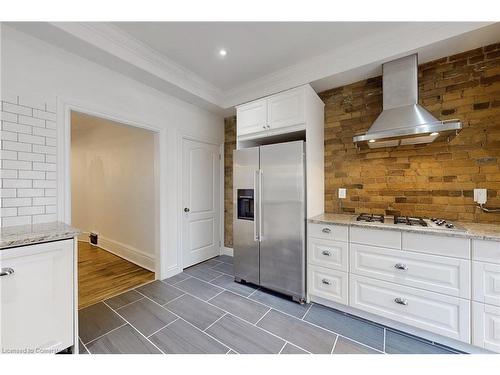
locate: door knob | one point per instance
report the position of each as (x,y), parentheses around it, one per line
(6,271)
(186,209)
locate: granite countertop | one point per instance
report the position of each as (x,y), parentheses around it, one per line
(21,235)
(464,229)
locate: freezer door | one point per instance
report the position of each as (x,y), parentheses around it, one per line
(245,227)
(282,246)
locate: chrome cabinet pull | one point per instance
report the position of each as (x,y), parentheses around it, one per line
(401,266)
(326,282)
(326,252)
(326,230)
(6,271)
(401,301)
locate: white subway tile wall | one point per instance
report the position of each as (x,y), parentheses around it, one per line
(28,157)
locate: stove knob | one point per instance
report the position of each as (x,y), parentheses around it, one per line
(433,219)
(449,225)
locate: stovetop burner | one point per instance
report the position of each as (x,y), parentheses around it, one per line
(410,220)
(371,218)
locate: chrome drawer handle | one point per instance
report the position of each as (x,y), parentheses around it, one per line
(326,282)
(401,266)
(326,252)
(6,271)
(401,301)
(326,230)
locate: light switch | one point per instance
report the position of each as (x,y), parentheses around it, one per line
(342,193)
(480,196)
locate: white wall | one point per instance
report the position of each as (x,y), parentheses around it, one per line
(113,186)
(34,69)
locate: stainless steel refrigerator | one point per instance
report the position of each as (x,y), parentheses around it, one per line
(269,217)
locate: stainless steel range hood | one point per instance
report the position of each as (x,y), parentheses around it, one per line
(403,121)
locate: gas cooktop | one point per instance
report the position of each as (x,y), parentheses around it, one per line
(433,223)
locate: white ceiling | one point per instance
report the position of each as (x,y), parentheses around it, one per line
(181,59)
(255,49)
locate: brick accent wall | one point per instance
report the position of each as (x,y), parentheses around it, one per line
(436,179)
(424,180)
(229,146)
(28,157)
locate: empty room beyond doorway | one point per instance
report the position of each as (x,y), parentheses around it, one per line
(114,199)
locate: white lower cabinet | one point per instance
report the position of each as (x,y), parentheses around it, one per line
(328,284)
(438,313)
(486,283)
(486,326)
(430,272)
(331,254)
(37,297)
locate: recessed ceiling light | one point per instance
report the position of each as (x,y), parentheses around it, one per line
(222,52)
(434,133)
(371,140)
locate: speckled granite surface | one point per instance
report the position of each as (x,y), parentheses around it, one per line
(20,235)
(463,229)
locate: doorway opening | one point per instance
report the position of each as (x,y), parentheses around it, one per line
(114,201)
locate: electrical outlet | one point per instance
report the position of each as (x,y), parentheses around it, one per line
(342,193)
(480,196)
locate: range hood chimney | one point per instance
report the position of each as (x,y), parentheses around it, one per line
(403,121)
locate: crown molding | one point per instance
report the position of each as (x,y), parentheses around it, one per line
(118,43)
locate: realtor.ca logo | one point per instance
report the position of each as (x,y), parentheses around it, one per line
(29,351)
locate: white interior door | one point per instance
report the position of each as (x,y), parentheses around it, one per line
(201,195)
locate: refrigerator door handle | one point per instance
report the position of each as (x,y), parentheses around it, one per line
(260,204)
(256,194)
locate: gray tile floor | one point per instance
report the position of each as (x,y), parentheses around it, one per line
(202,310)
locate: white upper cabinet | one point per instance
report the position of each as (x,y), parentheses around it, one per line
(252,118)
(286,109)
(298,109)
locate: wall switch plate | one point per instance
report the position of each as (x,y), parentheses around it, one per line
(480,196)
(342,193)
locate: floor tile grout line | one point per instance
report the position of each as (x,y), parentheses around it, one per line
(309,308)
(251,294)
(262,317)
(140,333)
(211,298)
(206,329)
(283,347)
(84,346)
(177,282)
(172,300)
(334,344)
(104,334)
(165,326)
(127,304)
(191,324)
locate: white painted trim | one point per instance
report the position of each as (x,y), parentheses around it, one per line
(64,108)
(227,251)
(180,203)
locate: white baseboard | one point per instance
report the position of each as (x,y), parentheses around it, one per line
(122,250)
(227,251)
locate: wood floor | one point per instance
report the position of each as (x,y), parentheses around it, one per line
(102,275)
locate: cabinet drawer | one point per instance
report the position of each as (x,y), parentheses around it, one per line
(438,313)
(328,284)
(435,244)
(486,326)
(486,283)
(430,272)
(376,237)
(327,253)
(328,231)
(486,251)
